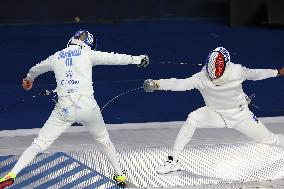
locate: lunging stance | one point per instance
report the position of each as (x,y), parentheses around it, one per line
(220,84)
(72,67)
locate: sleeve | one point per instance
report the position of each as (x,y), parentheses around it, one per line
(174,84)
(258,74)
(40,68)
(106,58)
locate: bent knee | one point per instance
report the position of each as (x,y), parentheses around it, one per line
(192,120)
(42,143)
(271,140)
(274,139)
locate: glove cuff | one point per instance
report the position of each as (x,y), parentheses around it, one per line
(157,84)
(278,72)
(136,60)
(29,78)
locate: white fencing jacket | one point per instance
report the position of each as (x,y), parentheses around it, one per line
(223,93)
(73,68)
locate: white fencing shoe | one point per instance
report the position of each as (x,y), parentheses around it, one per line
(169,166)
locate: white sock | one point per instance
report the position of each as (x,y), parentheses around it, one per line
(26,158)
(110,153)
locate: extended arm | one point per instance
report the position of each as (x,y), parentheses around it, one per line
(171,84)
(40,68)
(259,74)
(105,58)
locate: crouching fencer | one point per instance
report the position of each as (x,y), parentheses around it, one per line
(226,105)
(72,67)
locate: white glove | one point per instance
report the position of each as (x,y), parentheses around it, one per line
(141,61)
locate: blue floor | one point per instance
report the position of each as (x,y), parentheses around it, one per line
(45,178)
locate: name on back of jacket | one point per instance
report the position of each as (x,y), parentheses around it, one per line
(69,54)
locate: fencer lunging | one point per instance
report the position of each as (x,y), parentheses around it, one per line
(72,67)
(220,84)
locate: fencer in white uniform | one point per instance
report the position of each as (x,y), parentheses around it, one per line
(226,105)
(72,67)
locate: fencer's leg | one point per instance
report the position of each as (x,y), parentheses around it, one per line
(26,158)
(255,129)
(201,118)
(279,139)
(51,130)
(93,120)
(184,136)
(109,151)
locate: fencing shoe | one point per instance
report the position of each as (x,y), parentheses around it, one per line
(169,166)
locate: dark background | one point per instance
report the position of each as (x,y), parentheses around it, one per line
(176,31)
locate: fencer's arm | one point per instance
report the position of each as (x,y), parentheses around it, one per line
(259,74)
(106,58)
(172,84)
(40,68)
